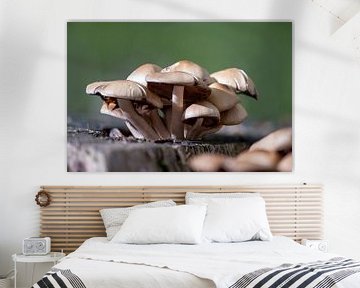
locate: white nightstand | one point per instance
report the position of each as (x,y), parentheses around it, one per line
(53,257)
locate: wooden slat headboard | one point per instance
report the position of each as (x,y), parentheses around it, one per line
(73,214)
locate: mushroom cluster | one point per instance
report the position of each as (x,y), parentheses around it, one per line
(181,101)
(271,153)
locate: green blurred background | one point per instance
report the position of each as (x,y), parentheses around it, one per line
(111,50)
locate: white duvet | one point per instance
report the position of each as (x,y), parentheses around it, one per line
(100,263)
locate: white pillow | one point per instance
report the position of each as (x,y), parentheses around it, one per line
(203,198)
(113,218)
(180,224)
(236,220)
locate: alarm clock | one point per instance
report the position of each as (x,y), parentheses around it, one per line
(36,246)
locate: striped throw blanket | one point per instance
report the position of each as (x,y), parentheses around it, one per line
(320,274)
(57,278)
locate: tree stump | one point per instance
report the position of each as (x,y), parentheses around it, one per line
(99,149)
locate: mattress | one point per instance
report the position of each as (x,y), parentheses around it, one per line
(99,263)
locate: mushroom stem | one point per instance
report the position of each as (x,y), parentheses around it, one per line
(158,125)
(206,130)
(167,117)
(151,116)
(176,125)
(133,131)
(136,120)
(190,134)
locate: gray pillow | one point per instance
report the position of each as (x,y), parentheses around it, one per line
(203,198)
(113,218)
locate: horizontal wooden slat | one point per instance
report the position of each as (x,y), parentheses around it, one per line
(50,232)
(293,210)
(70,227)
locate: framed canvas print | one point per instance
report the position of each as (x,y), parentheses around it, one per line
(179,96)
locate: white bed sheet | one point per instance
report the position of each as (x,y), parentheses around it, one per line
(100,263)
(122,275)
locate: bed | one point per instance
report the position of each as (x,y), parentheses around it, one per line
(99,263)
(295,211)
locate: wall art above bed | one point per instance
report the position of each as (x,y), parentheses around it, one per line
(179,96)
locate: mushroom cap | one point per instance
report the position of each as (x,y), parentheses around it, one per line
(202,109)
(222,97)
(163,83)
(91,89)
(251,88)
(124,89)
(207,162)
(253,161)
(285,165)
(192,68)
(174,78)
(139,74)
(233,116)
(279,140)
(238,80)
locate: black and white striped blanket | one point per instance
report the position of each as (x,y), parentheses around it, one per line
(320,274)
(57,278)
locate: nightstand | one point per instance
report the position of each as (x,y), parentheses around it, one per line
(53,257)
(320,245)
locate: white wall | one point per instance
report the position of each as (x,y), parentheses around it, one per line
(33,107)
